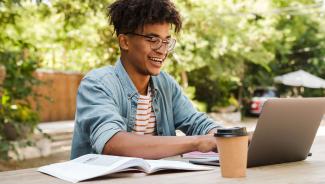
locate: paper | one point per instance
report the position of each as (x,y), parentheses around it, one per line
(199,155)
(93,165)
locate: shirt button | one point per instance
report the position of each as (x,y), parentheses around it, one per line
(157,110)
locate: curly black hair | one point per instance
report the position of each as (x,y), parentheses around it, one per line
(129,15)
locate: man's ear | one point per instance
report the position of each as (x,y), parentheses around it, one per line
(123,41)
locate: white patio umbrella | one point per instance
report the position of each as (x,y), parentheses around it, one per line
(301,78)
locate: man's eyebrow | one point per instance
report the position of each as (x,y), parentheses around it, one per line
(156,35)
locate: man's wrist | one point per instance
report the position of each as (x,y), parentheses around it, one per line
(196,143)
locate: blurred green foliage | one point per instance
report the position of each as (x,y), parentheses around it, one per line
(225,50)
(17,118)
(18,61)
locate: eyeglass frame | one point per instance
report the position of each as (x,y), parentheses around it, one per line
(161,41)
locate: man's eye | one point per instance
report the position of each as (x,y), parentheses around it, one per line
(167,41)
(153,39)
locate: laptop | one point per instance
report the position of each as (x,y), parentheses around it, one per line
(285,131)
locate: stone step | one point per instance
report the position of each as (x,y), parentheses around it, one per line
(60,133)
(63,149)
(61,137)
(60,141)
(57,127)
(59,144)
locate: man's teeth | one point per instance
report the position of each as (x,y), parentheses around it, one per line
(157,59)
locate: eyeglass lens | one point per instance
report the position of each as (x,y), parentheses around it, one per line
(170,43)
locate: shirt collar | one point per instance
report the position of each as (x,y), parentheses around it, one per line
(127,82)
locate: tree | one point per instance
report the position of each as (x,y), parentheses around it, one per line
(233,46)
(19,60)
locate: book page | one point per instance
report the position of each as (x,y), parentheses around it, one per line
(94,165)
(122,163)
(156,165)
(94,159)
(91,166)
(200,155)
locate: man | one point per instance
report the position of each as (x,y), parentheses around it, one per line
(132,108)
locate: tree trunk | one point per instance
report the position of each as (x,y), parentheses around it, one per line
(184,79)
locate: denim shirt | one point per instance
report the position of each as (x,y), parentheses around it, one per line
(107,103)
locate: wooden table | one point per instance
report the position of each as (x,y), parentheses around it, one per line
(311,170)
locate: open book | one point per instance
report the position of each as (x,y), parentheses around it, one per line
(93,165)
(200,155)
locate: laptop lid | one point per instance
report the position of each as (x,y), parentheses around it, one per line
(285,130)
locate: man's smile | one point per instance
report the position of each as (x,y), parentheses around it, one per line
(156,61)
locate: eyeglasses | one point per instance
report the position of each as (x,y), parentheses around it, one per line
(156,42)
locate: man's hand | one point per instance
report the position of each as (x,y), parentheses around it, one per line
(206,143)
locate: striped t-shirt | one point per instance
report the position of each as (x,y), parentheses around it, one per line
(145,123)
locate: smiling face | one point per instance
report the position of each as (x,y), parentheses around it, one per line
(138,57)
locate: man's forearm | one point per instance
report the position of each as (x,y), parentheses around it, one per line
(151,147)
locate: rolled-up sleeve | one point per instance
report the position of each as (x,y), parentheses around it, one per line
(98,114)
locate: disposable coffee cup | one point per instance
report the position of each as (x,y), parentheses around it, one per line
(232,147)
